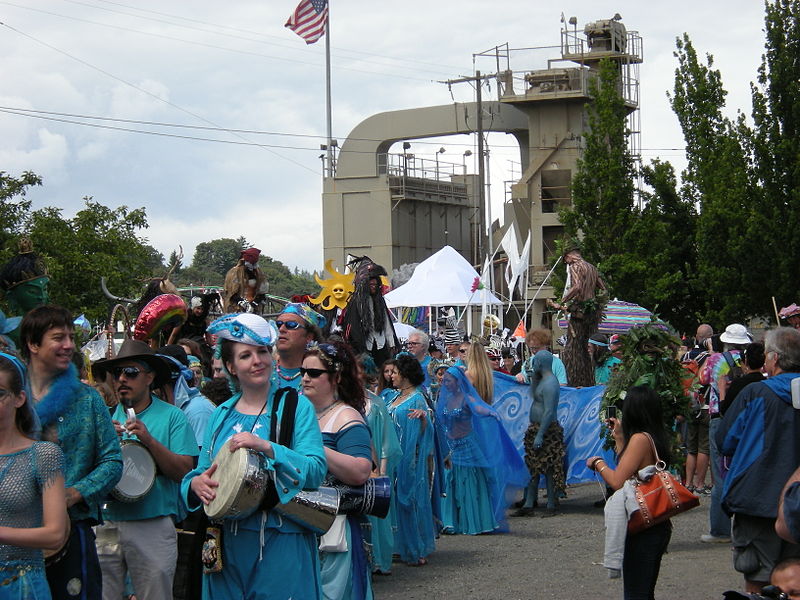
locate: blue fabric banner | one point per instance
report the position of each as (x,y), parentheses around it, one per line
(578,410)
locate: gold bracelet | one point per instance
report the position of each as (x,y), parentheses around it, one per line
(602,469)
(594,463)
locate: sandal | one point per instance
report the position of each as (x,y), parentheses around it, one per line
(420,563)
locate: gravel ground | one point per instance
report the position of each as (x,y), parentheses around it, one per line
(560,557)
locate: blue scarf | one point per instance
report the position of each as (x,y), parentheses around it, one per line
(62,392)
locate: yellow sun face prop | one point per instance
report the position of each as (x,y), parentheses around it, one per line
(336,290)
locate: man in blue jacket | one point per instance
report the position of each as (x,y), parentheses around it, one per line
(761,432)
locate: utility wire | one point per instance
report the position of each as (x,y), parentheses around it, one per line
(144,91)
(401,63)
(260,35)
(207,45)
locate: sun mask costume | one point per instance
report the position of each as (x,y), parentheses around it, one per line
(366,322)
(246,286)
(333,297)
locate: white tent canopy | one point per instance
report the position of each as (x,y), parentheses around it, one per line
(444,279)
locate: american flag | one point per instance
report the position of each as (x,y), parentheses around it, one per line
(309,20)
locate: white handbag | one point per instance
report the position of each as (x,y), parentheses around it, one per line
(335,540)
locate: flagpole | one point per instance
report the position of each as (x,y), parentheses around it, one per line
(328,92)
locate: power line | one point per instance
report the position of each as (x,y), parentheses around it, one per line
(261,34)
(401,63)
(205,44)
(144,91)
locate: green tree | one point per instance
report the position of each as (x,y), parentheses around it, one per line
(776,151)
(718,181)
(99,241)
(603,188)
(657,264)
(218,256)
(14,209)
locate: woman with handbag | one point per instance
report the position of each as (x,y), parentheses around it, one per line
(260,555)
(640,441)
(329,379)
(411,497)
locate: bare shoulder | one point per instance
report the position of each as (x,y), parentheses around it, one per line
(348,417)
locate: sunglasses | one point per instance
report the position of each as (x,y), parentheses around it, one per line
(129,372)
(462,350)
(290,325)
(312,373)
(493,358)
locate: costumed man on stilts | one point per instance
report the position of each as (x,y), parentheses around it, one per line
(583,302)
(245,287)
(366,322)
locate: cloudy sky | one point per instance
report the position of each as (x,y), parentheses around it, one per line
(212,67)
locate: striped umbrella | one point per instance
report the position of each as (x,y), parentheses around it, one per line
(619,317)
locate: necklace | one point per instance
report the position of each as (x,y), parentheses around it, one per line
(285,377)
(328,409)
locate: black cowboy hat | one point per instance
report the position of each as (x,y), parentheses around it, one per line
(140,352)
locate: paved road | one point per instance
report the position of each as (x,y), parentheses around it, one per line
(560,557)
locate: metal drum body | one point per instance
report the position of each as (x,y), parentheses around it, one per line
(138,472)
(314,510)
(243,479)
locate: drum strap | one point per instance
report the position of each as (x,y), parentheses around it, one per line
(281,434)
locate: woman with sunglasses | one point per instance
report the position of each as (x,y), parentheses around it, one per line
(33,515)
(330,381)
(411,498)
(263,555)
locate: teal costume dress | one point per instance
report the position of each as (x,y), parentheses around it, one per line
(411,497)
(264,555)
(23,477)
(387,447)
(482,467)
(347,575)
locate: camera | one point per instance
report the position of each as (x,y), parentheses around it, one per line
(611,412)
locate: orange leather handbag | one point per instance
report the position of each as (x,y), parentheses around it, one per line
(660,498)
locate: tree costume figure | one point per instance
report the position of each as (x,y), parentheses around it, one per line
(333,297)
(583,303)
(245,288)
(25,280)
(366,322)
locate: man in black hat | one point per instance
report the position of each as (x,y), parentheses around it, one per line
(139,536)
(74,416)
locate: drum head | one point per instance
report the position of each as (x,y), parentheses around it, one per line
(138,472)
(231,467)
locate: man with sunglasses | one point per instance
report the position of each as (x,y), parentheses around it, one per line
(298,325)
(139,537)
(74,416)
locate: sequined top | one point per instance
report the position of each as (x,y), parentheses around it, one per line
(23,477)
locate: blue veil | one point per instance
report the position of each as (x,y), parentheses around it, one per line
(461,414)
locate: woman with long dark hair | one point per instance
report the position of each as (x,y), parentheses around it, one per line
(414,529)
(637,434)
(385,373)
(329,378)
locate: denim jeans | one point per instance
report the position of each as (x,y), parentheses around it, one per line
(720,523)
(642,561)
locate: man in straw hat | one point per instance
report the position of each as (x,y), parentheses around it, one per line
(139,537)
(74,416)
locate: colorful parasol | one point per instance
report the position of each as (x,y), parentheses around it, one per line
(619,317)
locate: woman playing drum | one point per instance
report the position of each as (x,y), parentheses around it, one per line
(330,381)
(263,554)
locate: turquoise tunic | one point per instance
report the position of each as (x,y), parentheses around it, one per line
(264,556)
(387,447)
(347,575)
(411,500)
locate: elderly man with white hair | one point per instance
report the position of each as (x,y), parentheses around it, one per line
(418,344)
